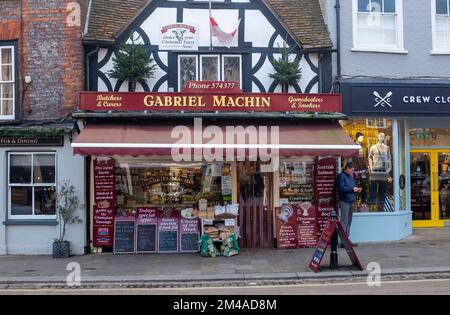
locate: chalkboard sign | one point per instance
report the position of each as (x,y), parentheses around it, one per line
(168,241)
(189,242)
(146,238)
(124,241)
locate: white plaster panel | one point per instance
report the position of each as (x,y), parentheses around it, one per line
(227,20)
(263,74)
(307,73)
(258,30)
(152,24)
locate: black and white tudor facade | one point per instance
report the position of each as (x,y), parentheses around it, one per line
(132,139)
(265,25)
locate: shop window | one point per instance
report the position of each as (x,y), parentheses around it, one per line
(209,68)
(296,181)
(31,182)
(374,165)
(378,24)
(7,82)
(429,137)
(145,184)
(441,26)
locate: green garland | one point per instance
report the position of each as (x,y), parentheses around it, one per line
(32,133)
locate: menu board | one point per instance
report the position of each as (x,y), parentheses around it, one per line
(104,198)
(146,238)
(286,224)
(146,230)
(168,242)
(189,235)
(325,172)
(307,225)
(124,237)
(168,231)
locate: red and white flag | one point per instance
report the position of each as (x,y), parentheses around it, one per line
(225,38)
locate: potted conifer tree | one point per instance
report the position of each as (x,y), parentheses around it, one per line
(287,72)
(132,63)
(66,203)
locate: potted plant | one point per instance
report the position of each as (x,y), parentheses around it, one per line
(287,72)
(66,203)
(133,64)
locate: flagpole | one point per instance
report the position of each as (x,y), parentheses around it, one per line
(210,29)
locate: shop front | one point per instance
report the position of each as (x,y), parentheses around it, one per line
(35,162)
(161,180)
(403,127)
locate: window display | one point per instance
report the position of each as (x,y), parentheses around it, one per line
(169,184)
(373,166)
(296,182)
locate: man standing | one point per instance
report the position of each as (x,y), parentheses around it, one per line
(347,190)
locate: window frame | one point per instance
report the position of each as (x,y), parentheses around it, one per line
(32,185)
(398,49)
(219,63)
(219,56)
(9,45)
(196,56)
(240,67)
(435,50)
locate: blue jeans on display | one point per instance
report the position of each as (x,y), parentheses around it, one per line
(377,195)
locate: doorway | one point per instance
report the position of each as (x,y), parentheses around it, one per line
(430,187)
(255,190)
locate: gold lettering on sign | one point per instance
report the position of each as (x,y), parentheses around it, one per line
(241,101)
(108,101)
(305,102)
(174,101)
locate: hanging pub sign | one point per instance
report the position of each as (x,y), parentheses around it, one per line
(209,101)
(179,36)
(104,199)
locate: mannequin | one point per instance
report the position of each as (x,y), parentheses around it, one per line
(380,165)
(360,173)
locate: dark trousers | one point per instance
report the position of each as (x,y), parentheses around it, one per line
(346,216)
(377,194)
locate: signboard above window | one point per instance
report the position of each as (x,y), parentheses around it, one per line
(395,98)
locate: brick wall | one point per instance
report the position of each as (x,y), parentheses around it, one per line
(50,51)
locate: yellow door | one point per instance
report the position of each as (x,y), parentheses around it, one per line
(430,186)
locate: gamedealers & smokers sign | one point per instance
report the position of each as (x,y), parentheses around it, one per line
(210,101)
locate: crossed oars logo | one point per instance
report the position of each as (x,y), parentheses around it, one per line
(383,101)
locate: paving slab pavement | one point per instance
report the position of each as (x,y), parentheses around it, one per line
(426,251)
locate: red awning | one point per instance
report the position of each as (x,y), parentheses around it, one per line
(299,138)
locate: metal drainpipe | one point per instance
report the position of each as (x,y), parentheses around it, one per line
(88,66)
(338,38)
